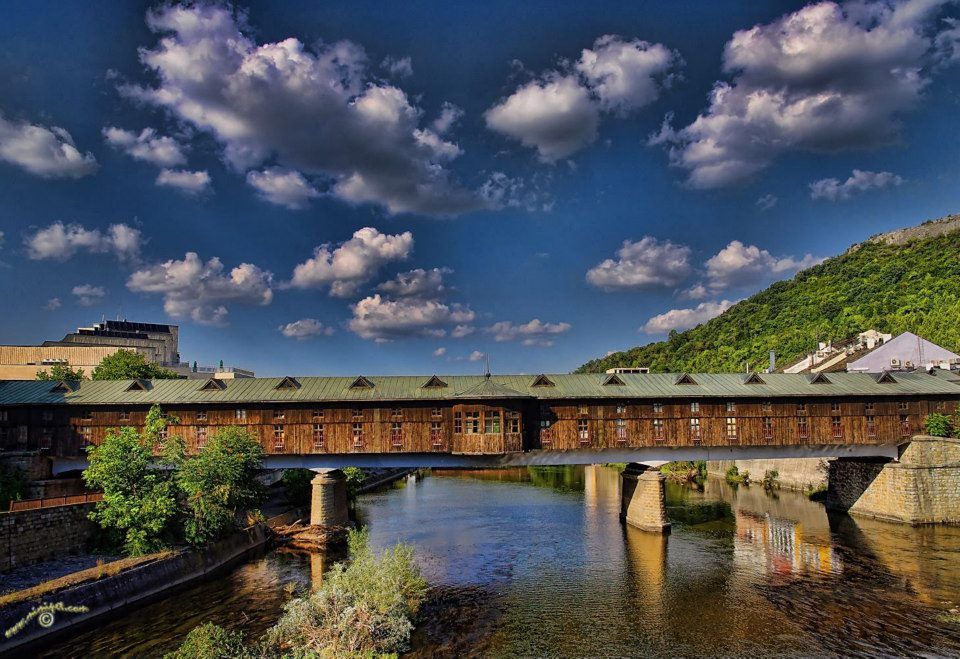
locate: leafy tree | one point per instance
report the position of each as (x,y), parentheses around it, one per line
(12,485)
(297,484)
(61,372)
(219,483)
(938,425)
(129,365)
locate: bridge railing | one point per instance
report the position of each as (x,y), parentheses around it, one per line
(52,502)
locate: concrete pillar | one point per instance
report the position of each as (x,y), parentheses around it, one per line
(328,501)
(642,498)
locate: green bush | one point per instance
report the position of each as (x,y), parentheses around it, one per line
(208,641)
(735,477)
(355,477)
(12,486)
(939,425)
(771,480)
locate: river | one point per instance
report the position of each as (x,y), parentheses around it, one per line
(535,562)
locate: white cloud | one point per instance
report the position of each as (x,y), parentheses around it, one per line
(382,319)
(738,265)
(645,263)
(766,202)
(439,352)
(824,78)
(186,181)
(53,304)
(461,331)
(450,114)
(305,328)
(148,146)
(501,191)
(531,333)
(61,241)
(47,152)
(284,187)
(476,356)
(399,67)
(345,268)
(860,181)
(201,291)
(559,112)
(417,283)
(87,295)
(681,319)
(316,110)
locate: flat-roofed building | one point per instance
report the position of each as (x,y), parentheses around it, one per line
(23,362)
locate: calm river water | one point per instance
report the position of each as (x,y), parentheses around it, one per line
(534,562)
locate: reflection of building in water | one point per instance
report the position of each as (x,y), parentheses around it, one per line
(778,545)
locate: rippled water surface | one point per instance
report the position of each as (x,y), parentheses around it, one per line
(535,562)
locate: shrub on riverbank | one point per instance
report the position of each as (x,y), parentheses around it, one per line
(736,477)
(685,471)
(939,425)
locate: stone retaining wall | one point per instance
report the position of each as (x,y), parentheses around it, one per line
(31,536)
(794,473)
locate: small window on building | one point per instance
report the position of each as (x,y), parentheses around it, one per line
(396,434)
(695,430)
(457,423)
(801,408)
(240,414)
(4,415)
(278,413)
(436,412)
(658,434)
(124,415)
(473,423)
(318,436)
(491,423)
(201,415)
(396,413)
(583,431)
(695,407)
(87,415)
(834,407)
(803,429)
(621,409)
(871,426)
(318,413)
(766,406)
(436,433)
(86,436)
(278,438)
(358,435)
(357,413)
(201,437)
(940,405)
(513,422)
(731,407)
(582,410)
(46,438)
(546,438)
(767,427)
(905,429)
(903,405)
(621,430)
(837,424)
(658,408)
(46,416)
(869,408)
(731,427)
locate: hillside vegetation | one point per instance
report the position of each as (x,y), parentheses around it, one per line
(907,280)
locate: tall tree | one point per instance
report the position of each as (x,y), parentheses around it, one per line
(129,365)
(59,372)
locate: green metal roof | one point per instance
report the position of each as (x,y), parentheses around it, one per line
(410,387)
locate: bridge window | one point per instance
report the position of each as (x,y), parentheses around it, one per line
(834,407)
(801,408)
(582,410)
(766,406)
(87,415)
(396,413)
(457,423)
(46,438)
(545,438)
(803,430)
(621,409)
(491,423)
(939,406)
(869,408)
(240,414)
(357,435)
(513,422)
(621,431)
(357,413)
(731,427)
(583,431)
(201,437)
(903,405)
(124,415)
(436,412)
(436,433)
(46,416)
(278,438)
(658,408)
(695,430)
(837,424)
(658,430)
(396,435)
(767,427)
(86,436)
(871,426)
(318,414)
(318,438)
(278,413)
(695,407)
(731,407)
(473,422)
(201,415)
(905,429)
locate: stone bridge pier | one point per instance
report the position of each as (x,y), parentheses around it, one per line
(643,498)
(328,500)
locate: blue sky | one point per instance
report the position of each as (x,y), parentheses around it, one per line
(335,188)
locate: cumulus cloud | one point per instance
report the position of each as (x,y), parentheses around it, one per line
(305,328)
(766,202)
(738,265)
(186,181)
(148,146)
(461,331)
(345,268)
(383,319)
(417,283)
(399,67)
(87,295)
(643,264)
(439,352)
(283,187)
(53,304)
(314,109)
(532,333)
(200,291)
(47,152)
(477,356)
(682,319)
(558,113)
(501,191)
(860,181)
(450,114)
(61,241)
(824,78)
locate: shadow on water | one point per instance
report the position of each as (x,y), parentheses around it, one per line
(534,562)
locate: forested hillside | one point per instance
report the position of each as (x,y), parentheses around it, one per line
(906,280)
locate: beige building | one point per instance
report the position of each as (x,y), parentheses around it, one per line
(23,362)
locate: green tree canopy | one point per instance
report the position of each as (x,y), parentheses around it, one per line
(60,372)
(129,365)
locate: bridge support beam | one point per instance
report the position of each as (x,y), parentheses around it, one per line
(328,501)
(642,498)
